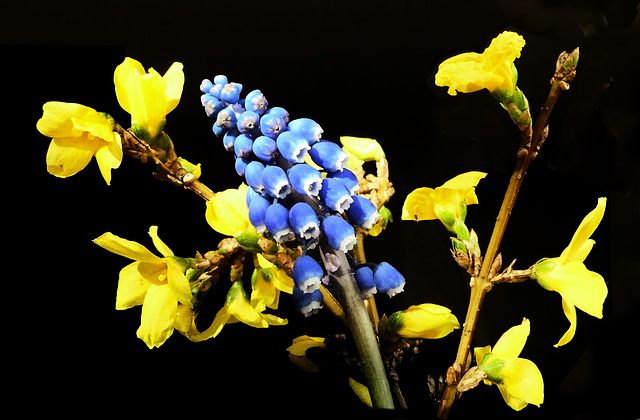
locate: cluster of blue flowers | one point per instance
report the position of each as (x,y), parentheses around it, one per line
(288,198)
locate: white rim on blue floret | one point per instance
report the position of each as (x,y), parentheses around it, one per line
(293,147)
(340,234)
(257,209)
(253,176)
(276,219)
(335,195)
(305,179)
(304,221)
(307,274)
(307,303)
(329,156)
(348,178)
(362,212)
(275,181)
(388,279)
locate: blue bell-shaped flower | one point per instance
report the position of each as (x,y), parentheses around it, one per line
(256,102)
(257,211)
(304,221)
(348,178)
(243,146)
(248,122)
(276,219)
(305,179)
(362,212)
(272,124)
(335,195)
(388,280)
(329,156)
(229,139)
(275,181)
(226,119)
(307,274)
(308,128)
(292,146)
(365,281)
(241,165)
(340,234)
(279,111)
(212,106)
(307,303)
(253,176)
(265,149)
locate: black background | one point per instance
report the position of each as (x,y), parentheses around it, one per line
(358,68)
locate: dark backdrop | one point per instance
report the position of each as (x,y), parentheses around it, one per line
(357,68)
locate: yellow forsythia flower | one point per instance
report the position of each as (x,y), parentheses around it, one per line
(448,203)
(298,351)
(79,133)
(492,70)
(519,380)
(427,320)
(148,97)
(568,275)
(267,282)
(157,283)
(227,212)
(237,308)
(362,148)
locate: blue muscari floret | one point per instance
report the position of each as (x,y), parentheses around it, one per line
(230,92)
(243,146)
(275,181)
(256,102)
(362,212)
(253,176)
(348,178)
(272,124)
(241,165)
(276,219)
(292,146)
(226,119)
(265,149)
(305,179)
(340,234)
(307,303)
(229,139)
(365,281)
(307,128)
(329,156)
(388,280)
(257,210)
(281,112)
(248,122)
(304,221)
(335,195)
(307,274)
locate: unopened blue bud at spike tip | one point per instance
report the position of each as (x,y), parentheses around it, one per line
(229,139)
(271,125)
(226,119)
(307,303)
(257,211)
(206,85)
(248,122)
(213,106)
(339,233)
(329,156)
(364,279)
(388,279)
(335,195)
(275,181)
(362,212)
(256,102)
(265,149)
(307,274)
(220,79)
(230,93)
(304,221)
(216,91)
(276,219)
(305,179)
(308,128)
(253,176)
(243,146)
(279,111)
(293,147)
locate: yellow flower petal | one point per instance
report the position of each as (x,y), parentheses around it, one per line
(178,283)
(362,148)
(56,119)
(512,342)
(227,212)
(303,343)
(67,156)
(570,312)
(109,156)
(158,316)
(164,250)
(523,381)
(579,246)
(132,287)
(511,401)
(419,205)
(122,84)
(126,248)
(174,81)
(361,391)
(467,183)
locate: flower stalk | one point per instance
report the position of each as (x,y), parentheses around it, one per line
(481,285)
